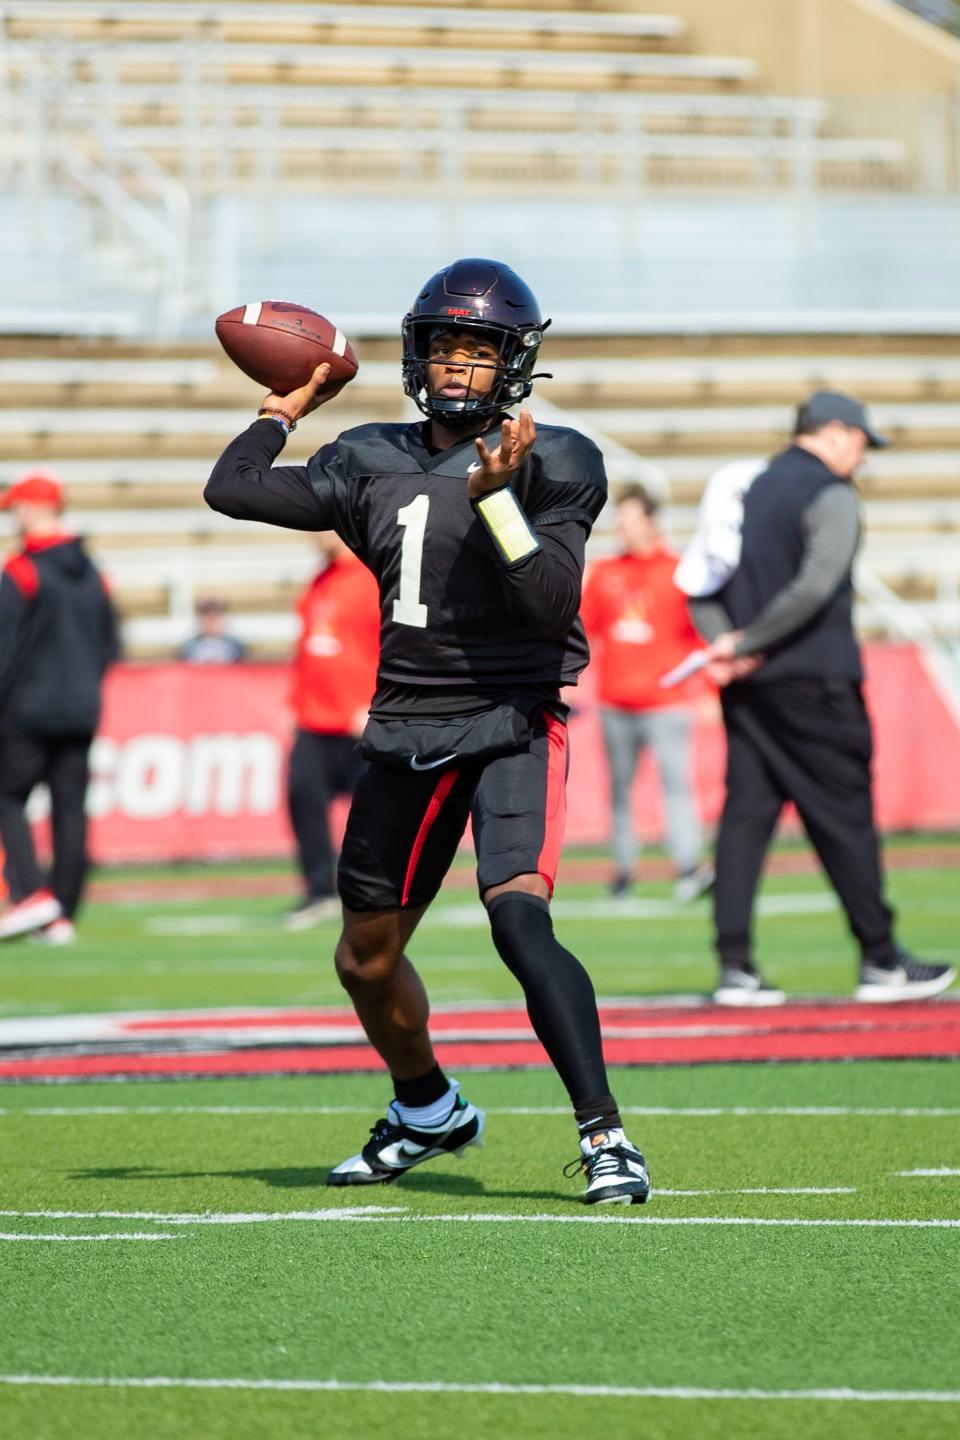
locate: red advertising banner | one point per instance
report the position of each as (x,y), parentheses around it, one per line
(190,760)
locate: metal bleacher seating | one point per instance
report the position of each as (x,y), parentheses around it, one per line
(177,126)
(154,129)
(227,94)
(133,437)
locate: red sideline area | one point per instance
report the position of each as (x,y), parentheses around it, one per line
(501,1039)
(190,760)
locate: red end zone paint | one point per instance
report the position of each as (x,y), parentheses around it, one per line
(500,1038)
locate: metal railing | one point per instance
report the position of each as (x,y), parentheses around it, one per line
(187,174)
(148,203)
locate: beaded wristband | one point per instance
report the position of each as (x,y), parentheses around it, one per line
(286,421)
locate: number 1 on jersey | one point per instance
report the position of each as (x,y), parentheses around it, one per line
(409,609)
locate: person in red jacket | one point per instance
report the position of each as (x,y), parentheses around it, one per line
(58,634)
(334,676)
(638,627)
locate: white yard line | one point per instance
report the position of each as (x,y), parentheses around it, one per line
(650,1111)
(399,1215)
(46,1032)
(474,917)
(447,1387)
(147,1235)
(645,1220)
(941,1172)
(770,1190)
(238,1217)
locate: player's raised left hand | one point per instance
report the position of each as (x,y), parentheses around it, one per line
(495,468)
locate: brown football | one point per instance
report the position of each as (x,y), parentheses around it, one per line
(280,344)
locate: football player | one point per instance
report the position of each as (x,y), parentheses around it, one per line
(475,526)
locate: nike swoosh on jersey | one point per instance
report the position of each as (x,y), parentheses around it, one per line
(431,764)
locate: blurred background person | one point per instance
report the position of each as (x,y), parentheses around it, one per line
(58,635)
(639,628)
(334,676)
(212,644)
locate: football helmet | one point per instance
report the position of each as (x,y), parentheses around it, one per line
(482,295)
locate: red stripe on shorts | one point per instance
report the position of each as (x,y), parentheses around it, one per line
(555,817)
(444,786)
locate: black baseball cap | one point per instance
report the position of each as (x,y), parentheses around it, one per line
(827,405)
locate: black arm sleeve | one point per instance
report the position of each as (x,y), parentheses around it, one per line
(544,589)
(248,486)
(563,492)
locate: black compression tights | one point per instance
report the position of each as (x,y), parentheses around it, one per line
(559,993)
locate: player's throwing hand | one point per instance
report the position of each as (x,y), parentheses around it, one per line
(300,402)
(497,467)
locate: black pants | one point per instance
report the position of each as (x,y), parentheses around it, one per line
(61,763)
(808,741)
(321,767)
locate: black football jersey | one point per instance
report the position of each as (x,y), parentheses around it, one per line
(460,627)
(446,618)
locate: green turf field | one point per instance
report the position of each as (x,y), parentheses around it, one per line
(228,1260)
(234,951)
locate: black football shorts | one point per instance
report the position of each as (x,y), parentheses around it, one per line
(405,825)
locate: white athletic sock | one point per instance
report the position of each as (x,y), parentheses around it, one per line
(428,1117)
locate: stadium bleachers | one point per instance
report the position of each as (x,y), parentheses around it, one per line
(337,92)
(133,432)
(181,142)
(546,25)
(177,119)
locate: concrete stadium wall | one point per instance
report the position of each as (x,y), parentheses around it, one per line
(827,47)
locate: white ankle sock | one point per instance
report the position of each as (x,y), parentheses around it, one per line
(428,1117)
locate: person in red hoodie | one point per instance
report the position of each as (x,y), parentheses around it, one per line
(638,627)
(58,634)
(334,677)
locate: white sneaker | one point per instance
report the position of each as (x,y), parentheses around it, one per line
(33,913)
(908,979)
(616,1171)
(313,912)
(60,932)
(694,884)
(745,987)
(394,1148)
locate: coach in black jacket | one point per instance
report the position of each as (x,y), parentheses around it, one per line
(788,663)
(57,636)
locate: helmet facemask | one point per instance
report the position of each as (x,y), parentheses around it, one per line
(516,347)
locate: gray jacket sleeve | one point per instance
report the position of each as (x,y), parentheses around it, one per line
(832,532)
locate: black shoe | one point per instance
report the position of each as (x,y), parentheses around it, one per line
(620,885)
(616,1171)
(394,1147)
(907,979)
(745,987)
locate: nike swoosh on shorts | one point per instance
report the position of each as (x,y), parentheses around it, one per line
(431,764)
